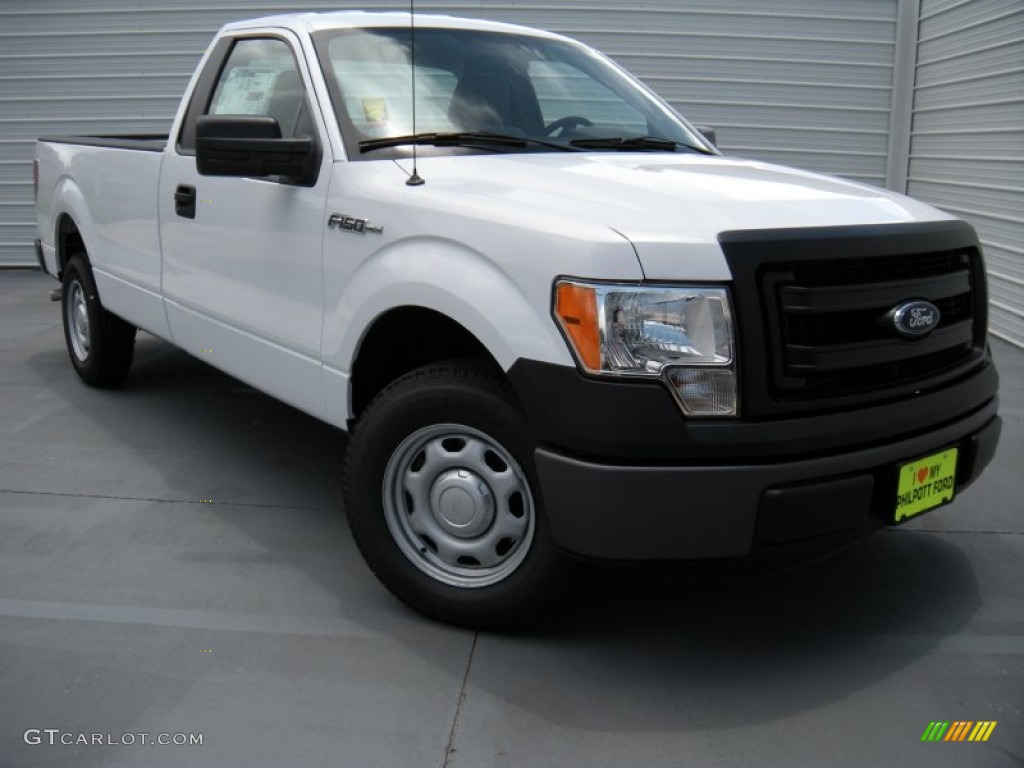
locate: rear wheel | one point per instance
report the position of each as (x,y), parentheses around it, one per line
(441,498)
(100,344)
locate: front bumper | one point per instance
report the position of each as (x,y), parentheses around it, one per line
(736,494)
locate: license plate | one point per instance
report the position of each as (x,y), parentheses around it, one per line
(926,483)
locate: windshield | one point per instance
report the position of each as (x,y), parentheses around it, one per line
(469,81)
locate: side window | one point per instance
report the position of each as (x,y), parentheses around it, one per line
(562,90)
(260,77)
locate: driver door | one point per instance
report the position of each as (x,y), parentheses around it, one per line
(242,257)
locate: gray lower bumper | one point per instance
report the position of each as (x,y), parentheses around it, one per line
(624,512)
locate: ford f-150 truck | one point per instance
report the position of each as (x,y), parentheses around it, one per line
(557,322)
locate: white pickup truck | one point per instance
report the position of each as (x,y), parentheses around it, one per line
(555,319)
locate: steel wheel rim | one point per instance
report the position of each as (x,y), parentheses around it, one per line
(78,321)
(458,505)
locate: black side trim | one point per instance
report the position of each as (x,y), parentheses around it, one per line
(39,255)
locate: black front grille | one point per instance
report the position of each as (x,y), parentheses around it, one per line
(816,312)
(835,331)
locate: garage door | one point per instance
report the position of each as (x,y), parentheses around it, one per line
(967,137)
(800,82)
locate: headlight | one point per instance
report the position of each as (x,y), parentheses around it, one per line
(680,334)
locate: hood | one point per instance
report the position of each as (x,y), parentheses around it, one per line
(661,201)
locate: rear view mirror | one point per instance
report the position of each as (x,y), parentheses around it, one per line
(244,145)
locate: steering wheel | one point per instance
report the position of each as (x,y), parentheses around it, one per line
(565,124)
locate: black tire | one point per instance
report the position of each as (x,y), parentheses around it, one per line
(101,345)
(437,405)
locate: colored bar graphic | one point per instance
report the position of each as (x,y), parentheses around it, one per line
(958,730)
(982,730)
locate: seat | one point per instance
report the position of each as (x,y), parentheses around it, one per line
(481,102)
(286,101)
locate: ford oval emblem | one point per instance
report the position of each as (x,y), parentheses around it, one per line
(916,318)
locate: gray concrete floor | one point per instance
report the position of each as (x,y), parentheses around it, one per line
(173,559)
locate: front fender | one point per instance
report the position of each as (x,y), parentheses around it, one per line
(446,277)
(457,282)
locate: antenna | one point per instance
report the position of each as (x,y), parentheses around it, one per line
(415,180)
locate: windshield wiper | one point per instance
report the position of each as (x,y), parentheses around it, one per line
(463,139)
(634,142)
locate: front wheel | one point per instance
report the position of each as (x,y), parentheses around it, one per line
(442,498)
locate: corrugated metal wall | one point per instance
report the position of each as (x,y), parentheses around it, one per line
(800,82)
(967,135)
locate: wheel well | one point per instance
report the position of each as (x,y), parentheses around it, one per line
(69,241)
(403,339)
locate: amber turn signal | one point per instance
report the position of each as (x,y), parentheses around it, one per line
(576,309)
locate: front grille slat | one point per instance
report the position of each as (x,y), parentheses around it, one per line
(811,329)
(837,357)
(847,298)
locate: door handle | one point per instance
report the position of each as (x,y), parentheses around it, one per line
(185,201)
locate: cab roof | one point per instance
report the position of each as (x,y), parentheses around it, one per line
(309,23)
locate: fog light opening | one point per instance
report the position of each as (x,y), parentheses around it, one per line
(704,391)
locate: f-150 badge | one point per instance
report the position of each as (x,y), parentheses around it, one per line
(352,224)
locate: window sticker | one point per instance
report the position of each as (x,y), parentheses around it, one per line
(377,97)
(245,92)
(375,110)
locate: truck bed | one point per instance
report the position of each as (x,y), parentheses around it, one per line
(109,187)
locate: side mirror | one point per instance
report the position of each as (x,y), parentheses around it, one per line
(243,145)
(708,133)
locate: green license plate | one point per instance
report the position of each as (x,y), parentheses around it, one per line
(926,483)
